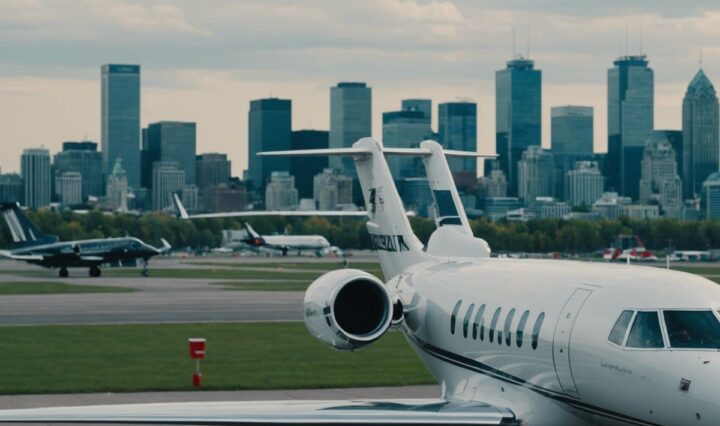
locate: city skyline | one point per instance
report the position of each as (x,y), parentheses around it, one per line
(51,98)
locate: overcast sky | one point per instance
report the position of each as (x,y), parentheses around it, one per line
(204,61)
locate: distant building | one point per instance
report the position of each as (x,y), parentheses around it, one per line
(711,195)
(609,206)
(496,208)
(35,172)
(350,120)
(584,184)
(331,188)
(84,158)
(191,198)
(518,114)
(173,142)
(305,168)
(422,105)
(536,174)
(225,198)
(120,118)
(701,152)
(280,192)
(630,121)
(457,129)
(659,181)
(211,169)
(549,208)
(496,184)
(168,178)
(68,188)
(11,188)
(269,129)
(571,136)
(116,197)
(417,195)
(405,129)
(640,211)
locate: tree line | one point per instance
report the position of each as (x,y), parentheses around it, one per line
(540,235)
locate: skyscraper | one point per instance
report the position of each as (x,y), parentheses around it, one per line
(120,112)
(211,169)
(536,174)
(11,188)
(630,121)
(584,184)
(518,114)
(422,105)
(405,129)
(457,129)
(700,156)
(84,158)
(280,192)
(117,188)
(350,120)
(305,168)
(571,133)
(331,189)
(35,172)
(68,188)
(168,178)
(173,142)
(269,129)
(660,181)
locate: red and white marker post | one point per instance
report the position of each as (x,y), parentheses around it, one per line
(197,352)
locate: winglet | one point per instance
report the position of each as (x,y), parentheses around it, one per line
(179,208)
(165,246)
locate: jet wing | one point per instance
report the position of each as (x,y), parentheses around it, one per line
(10,255)
(361,412)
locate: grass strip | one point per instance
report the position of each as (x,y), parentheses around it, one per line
(265,286)
(154,357)
(48,287)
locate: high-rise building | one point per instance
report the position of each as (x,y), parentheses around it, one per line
(536,174)
(120,112)
(212,169)
(35,172)
(331,188)
(269,129)
(405,129)
(168,178)
(659,180)
(457,129)
(496,184)
(518,114)
(173,142)
(305,168)
(230,197)
(422,105)
(630,121)
(280,192)
(191,198)
(584,184)
(11,188)
(350,120)
(711,196)
(571,135)
(700,155)
(68,188)
(116,197)
(84,158)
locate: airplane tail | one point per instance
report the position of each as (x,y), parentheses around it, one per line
(251,232)
(390,231)
(179,208)
(24,232)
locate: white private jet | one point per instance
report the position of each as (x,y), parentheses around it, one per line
(316,244)
(511,341)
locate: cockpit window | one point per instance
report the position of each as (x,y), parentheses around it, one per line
(692,329)
(617,335)
(645,332)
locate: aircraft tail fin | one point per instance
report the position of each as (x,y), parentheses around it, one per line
(179,208)
(24,232)
(251,232)
(390,231)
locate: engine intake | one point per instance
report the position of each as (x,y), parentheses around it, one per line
(347,309)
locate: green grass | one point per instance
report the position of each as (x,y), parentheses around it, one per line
(149,357)
(699,270)
(266,286)
(48,287)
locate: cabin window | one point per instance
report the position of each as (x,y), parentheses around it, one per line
(536,330)
(493,323)
(692,329)
(521,328)
(454,316)
(466,321)
(479,320)
(508,323)
(645,332)
(617,334)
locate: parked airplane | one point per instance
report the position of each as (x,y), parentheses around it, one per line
(33,246)
(511,341)
(284,243)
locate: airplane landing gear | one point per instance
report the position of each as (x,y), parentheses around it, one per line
(284,251)
(63,273)
(145,272)
(94,271)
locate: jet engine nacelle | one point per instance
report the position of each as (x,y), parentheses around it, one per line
(347,309)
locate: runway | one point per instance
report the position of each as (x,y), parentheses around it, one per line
(158,300)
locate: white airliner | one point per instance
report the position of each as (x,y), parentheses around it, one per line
(511,341)
(316,244)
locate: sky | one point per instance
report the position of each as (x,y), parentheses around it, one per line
(203,61)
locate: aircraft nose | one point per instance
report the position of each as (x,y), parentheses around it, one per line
(703,387)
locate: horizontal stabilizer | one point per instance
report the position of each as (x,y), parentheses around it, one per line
(294,213)
(27,257)
(408,152)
